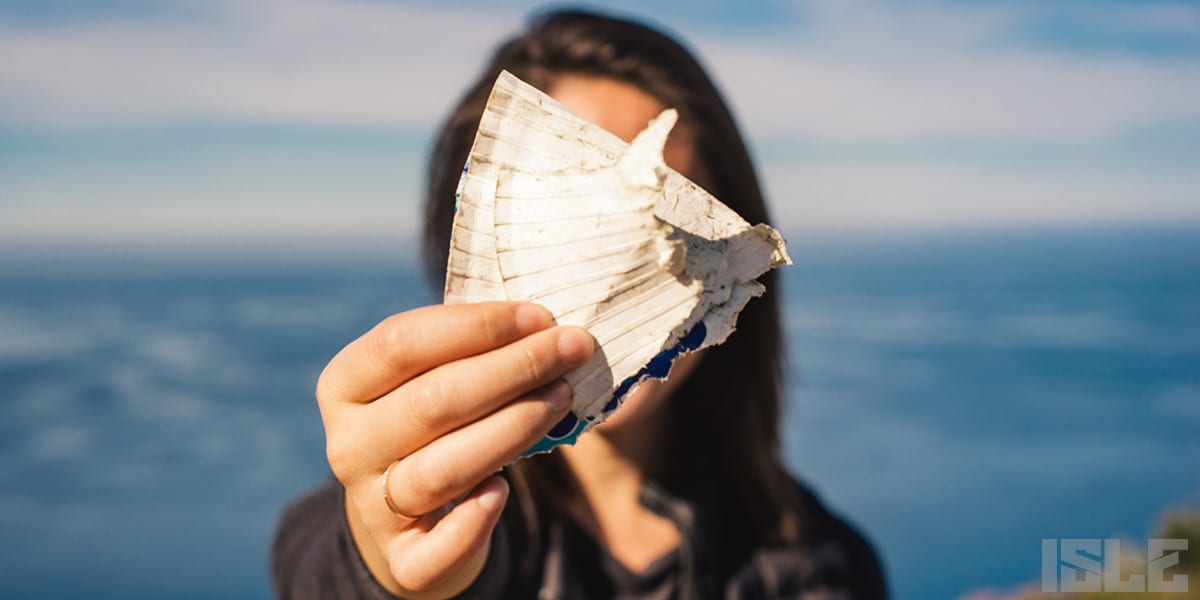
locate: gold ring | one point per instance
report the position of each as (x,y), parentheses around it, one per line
(387,496)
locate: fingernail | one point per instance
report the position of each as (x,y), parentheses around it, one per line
(493,497)
(575,345)
(559,396)
(532,318)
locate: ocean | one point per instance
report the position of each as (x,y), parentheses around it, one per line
(959,397)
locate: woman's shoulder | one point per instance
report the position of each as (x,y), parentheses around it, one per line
(830,559)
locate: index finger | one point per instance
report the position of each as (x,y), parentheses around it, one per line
(407,344)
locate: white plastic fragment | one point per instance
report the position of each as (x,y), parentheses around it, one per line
(555,210)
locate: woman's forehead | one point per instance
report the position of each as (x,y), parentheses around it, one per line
(624,110)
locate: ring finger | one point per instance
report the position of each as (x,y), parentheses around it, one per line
(454,463)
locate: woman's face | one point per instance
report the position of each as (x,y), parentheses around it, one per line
(624,110)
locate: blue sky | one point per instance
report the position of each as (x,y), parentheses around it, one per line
(307,119)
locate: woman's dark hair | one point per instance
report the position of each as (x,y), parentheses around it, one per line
(724,437)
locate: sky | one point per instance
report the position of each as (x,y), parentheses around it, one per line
(186,120)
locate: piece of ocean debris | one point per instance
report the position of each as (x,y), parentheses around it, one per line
(555,210)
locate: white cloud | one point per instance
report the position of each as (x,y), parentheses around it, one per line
(848,74)
(849,195)
(868,71)
(307,61)
(844,70)
(163,213)
(1013,96)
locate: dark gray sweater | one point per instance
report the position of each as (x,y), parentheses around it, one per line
(314,556)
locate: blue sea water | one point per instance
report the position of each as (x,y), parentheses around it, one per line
(959,397)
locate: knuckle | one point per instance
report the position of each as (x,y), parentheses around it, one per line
(340,455)
(426,406)
(429,480)
(485,323)
(525,420)
(532,363)
(325,387)
(391,336)
(391,329)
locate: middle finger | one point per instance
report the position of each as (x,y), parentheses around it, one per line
(460,392)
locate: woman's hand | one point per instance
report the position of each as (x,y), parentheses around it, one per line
(428,405)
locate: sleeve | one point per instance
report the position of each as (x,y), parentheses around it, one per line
(314,556)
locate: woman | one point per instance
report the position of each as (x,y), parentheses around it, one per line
(681,494)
